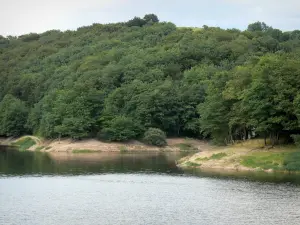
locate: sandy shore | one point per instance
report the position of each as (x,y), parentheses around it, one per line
(69,145)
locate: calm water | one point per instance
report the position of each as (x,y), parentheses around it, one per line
(140,188)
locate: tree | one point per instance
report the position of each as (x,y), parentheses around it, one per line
(151,17)
(258,26)
(215,111)
(121,79)
(120,129)
(13,116)
(136,21)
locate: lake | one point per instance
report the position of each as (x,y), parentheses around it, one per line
(137,188)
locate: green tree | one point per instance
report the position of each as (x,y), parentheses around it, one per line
(151,17)
(120,129)
(215,111)
(13,115)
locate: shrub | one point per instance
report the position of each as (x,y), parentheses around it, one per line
(154,136)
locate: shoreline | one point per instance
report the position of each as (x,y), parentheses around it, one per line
(93,145)
(245,158)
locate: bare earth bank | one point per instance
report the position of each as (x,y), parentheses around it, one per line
(69,145)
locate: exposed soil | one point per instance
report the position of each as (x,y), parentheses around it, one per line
(69,145)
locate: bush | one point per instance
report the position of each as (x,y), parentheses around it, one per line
(154,136)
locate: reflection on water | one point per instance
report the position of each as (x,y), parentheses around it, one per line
(247,175)
(25,163)
(137,188)
(14,163)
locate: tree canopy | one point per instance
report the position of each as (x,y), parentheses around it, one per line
(116,81)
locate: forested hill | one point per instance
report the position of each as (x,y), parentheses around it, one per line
(115,81)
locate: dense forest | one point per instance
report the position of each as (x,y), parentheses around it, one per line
(116,81)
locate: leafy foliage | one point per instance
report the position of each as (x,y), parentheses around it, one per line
(118,80)
(154,136)
(13,116)
(120,129)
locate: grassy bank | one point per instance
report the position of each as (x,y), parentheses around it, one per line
(277,161)
(24,143)
(251,156)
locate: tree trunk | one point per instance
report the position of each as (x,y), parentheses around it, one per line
(265,137)
(277,138)
(273,139)
(246,134)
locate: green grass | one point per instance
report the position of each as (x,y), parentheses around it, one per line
(192,164)
(123,149)
(24,143)
(186,147)
(291,161)
(76,151)
(202,159)
(279,161)
(213,157)
(37,149)
(218,156)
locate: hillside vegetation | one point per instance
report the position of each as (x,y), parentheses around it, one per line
(116,81)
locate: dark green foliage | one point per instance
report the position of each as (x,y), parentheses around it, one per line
(154,136)
(136,21)
(151,17)
(13,116)
(258,26)
(117,80)
(120,129)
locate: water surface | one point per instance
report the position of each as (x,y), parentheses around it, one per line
(140,188)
